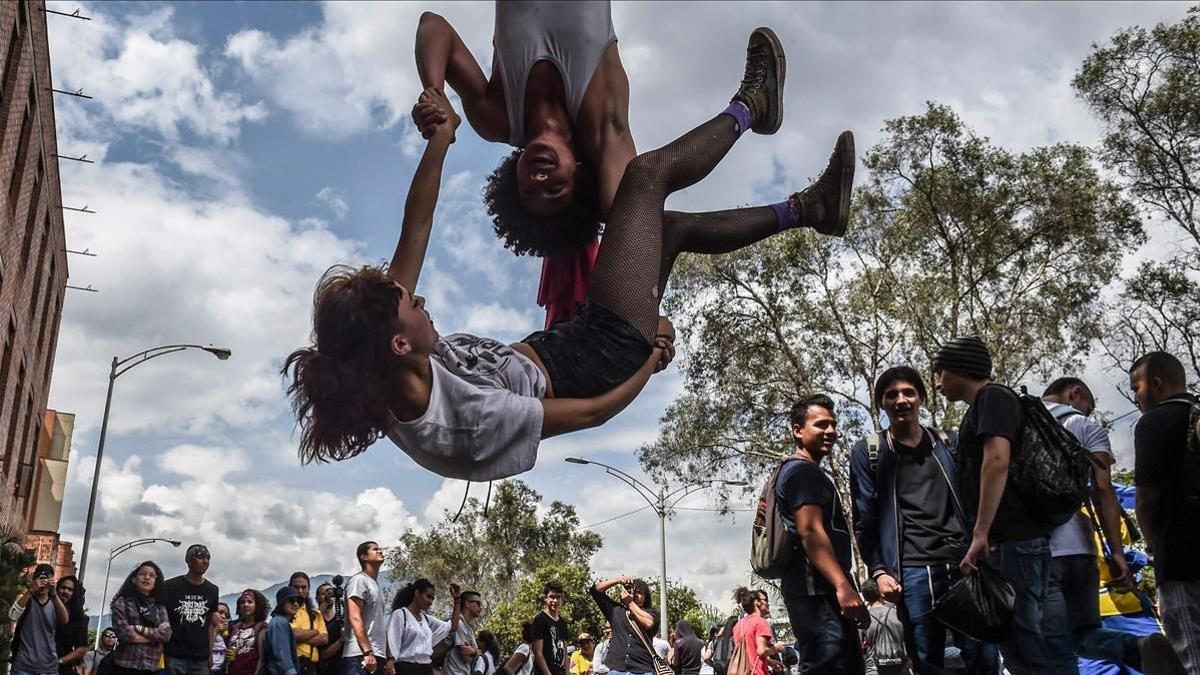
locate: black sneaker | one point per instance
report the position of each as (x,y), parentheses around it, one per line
(1158,658)
(825,205)
(762,85)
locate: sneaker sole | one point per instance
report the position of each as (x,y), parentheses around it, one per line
(780,73)
(845,144)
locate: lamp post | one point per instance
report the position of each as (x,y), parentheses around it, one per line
(663,502)
(119,368)
(108,571)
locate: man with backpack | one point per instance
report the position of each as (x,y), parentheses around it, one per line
(909,522)
(824,608)
(1001,516)
(1071,623)
(885,637)
(1167,476)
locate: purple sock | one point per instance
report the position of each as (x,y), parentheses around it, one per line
(740,114)
(786,214)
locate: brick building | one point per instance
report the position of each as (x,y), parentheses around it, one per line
(33,264)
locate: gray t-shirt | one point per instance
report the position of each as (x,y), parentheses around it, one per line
(363,587)
(94,657)
(455,663)
(1076,536)
(37,653)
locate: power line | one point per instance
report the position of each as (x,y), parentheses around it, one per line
(691,508)
(609,520)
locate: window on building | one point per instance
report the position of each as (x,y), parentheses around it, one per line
(18,171)
(46,308)
(14,420)
(48,350)
(38,274)
(31,219)
(11,59)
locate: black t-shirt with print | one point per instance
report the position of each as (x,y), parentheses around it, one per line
(1160,442)
(553,634)
(800,483)
(995,412)
(189,607)
(931,534)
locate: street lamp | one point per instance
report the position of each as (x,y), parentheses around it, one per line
(113,553)
(663,503)
(119,368)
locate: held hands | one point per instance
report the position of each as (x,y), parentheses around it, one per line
(433,112)
(889,588)
(664,339)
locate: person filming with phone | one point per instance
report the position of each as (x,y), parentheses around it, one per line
(627,653)
(39,613)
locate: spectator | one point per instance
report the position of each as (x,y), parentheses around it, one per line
(626,654)
(709,650)
(108,642)
(220,642)
(754,633)
(822,604)
(885,636)
(242,657)
(489,653)
(40,614)
(367,638)
(1167,475)
(460,659)
(279,640)
(998,515)
(308,627)
(598,666)
(550,633)
(687,650)
(521,661)
(331,654)
(581,659)
(140,619)
(1071,623)
(71,640)
(190,601)
(909,519)
(412,632)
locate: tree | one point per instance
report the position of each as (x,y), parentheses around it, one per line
(14,560)
(492,548)
(682,603)
(950,234)
(1144,86)
(580,611)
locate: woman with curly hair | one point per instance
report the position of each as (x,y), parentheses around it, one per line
(139,616)
(476,409)
(245,636)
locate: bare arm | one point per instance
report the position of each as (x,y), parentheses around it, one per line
(75,655)
(419,207)
(60,610)
(443,57)
(1110,519)
(997,451)
(514,662)
(539,659)
(811,531)
(354,616)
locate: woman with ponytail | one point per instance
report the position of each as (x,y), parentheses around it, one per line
(412,632)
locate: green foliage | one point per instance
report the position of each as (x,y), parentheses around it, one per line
(1144,86)
(580,611)
(14,559)
(682,603)
(950,234)
(493,552)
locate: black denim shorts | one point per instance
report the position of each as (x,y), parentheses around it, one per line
(590,353)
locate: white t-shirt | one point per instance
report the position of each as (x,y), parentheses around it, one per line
(484,419)
(411,639)
(526,665)
(363,587)
(1076,536)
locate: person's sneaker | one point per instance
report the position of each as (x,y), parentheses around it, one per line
(825,205)
(762,84)
(1158,657)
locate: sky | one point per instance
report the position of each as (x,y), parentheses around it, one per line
(242,148)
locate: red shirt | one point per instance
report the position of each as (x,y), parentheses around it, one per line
(748,630)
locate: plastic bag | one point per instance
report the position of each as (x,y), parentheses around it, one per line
(978,605)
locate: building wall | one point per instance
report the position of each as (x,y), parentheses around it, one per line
(33,264)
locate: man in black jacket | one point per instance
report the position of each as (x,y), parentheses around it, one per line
(626,653)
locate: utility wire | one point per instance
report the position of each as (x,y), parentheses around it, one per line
(609,520)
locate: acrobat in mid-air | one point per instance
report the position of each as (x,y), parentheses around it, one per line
(474,408)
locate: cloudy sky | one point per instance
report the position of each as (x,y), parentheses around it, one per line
(242,148)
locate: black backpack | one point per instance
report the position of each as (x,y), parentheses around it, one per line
(723,647)
(887,645)
(1049,468)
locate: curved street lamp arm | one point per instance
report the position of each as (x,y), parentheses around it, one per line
(142,357)
(614,471)
(635,484)
(133,544)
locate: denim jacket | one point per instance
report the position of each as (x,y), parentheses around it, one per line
(877,523)
(279,658)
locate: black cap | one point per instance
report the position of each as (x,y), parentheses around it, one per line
(966,355)
(286,593)
(43,570)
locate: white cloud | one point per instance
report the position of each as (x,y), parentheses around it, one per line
(142,76)
(335,200)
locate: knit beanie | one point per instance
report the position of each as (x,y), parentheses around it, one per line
(967,355)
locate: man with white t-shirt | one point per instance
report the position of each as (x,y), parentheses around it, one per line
(1071,615)
(364,649)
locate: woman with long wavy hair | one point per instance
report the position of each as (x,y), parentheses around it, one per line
(474,408)
(70,640)
(245,636)
(139,616)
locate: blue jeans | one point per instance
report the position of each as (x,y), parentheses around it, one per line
(925,636)
(1071,618)
(352,665)
(1026,565)
(178,666)
(826,642)
(16,671)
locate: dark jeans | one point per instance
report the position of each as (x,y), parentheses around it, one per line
(825,641)
(352,665)
(178,666)
(926,637)
(1071,617)
(1026,565)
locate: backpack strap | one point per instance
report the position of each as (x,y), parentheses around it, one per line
(873,442)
